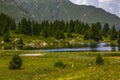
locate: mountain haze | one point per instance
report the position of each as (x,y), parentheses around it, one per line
(9,7)
(56,10)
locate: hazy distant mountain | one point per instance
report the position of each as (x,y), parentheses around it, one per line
(56,9)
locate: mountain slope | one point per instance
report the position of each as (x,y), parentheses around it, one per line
(9,7)
(56,9)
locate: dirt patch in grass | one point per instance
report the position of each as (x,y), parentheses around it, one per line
(115,57)
(32,54)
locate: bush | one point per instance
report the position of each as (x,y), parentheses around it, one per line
(28,48)
(6,37)
(6,46)
(59,64)
(19,43)
(99,60)
(16,62)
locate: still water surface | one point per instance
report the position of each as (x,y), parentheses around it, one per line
(90,47)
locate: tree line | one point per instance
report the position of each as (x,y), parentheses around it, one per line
(58,29)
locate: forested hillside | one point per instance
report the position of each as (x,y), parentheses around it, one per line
(57,29)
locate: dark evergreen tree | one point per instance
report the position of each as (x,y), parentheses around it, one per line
(113,33)
(5,30)
(85,29)
(86,36)
(35,28)
(4,26)
(99,60)
(19,28)
(69,33)
(118,38)
(76,27)
(106,30)
(46,29)
(98,24)
(12,24)
(71,26)
(59,64)
(82,28)
(24,27)
(95,33)
(6,37)
(6,23)
(16,62)
(60,35)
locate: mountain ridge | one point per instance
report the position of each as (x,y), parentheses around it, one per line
(56,10)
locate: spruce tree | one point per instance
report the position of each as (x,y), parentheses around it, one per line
(12,24)
(59,64)
(118,38)
(86,36)
(95,33)
(113,33)
(99,60)
(69,32)
(24,27)
(16,62)
(6,37)
(106,30)
(35,28)
(60,35)
(76,28)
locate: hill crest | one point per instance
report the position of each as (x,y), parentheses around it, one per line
(56,10)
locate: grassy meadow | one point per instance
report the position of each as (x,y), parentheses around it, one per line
(79,66)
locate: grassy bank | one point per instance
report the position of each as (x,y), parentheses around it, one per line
(79,66)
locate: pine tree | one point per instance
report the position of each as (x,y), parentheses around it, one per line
(95,33)
(86,28)
(113,33)
(35,28)
(98,24)
(46,29)
(76,27)
(16,62)
(71,25)
(118,38)
(24,27)
(69,32)
(86,36)
(106,30)
(99,60)
(60,35)
(59,64)
(6,37)
(12,24)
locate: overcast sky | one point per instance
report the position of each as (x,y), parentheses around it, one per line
(112,6)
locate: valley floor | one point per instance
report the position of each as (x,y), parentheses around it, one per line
(79,66)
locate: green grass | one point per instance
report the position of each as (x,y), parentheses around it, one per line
(79,66)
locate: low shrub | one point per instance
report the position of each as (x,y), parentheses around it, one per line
(99,60)
(16,62)
(59,64)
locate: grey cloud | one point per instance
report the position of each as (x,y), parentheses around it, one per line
(109,5)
